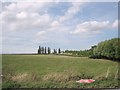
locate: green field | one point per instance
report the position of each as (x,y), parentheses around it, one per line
(55,71)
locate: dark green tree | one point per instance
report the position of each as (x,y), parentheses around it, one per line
(42,50)
(49,50)
(45,51)
(55,51)
(108,49)
(39,50)
(59,51)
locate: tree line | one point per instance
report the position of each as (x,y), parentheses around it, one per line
(47,50)
(108,49)
(81,53)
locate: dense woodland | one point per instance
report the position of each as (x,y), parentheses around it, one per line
(108,49)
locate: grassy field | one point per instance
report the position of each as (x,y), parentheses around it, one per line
(55,71)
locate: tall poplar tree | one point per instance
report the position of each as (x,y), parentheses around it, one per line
(59,51)
(49,50)
(45,50)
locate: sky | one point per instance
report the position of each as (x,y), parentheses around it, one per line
(65,25)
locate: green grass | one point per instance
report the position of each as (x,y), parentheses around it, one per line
(55,71)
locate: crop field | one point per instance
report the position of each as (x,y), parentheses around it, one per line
(57,71)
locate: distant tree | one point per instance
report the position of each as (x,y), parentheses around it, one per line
(39,50)
(42,50)
(59,51)
(67,51)
(55,51)
(45,50)
(49,50)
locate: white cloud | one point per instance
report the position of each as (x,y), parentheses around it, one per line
(40,36)
(27,6)
(12,6)
(13,26)
(74,9)
(115,24)
(55,24)
(41,33)
(90,27)
(25,16)
(42,21)
(21,15)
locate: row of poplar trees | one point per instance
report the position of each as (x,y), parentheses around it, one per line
(47,50)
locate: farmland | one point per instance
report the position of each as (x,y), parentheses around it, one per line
(57,71)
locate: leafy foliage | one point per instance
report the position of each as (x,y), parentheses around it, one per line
(108,49)
(81,53)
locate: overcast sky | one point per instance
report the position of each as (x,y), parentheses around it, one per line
(65,25)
